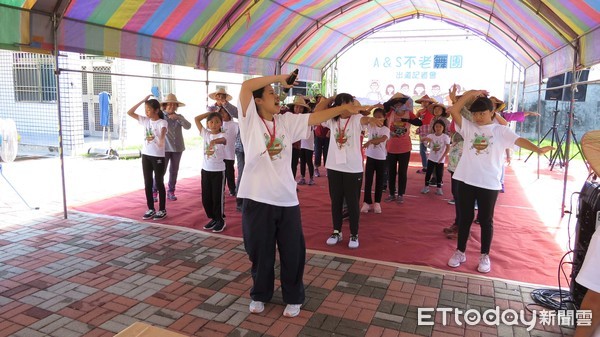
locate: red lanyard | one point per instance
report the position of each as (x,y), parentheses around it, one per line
(342,131)
(271,135)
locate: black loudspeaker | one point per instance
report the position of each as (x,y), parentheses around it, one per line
(581,88)
(555,94)
(588,220)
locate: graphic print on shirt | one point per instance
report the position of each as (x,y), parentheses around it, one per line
(376,136)
(275,146)
(209,150)
(480,143)
(341,138)
(436,146)
(399,128)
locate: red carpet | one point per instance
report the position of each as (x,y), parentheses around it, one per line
(410,233)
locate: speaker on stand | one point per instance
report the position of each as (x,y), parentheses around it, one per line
(588,219)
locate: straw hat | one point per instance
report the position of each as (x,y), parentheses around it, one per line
(220,91)
(425,98)
(498,104)
(298,100)
(171,98)
(444,110)
(590,146)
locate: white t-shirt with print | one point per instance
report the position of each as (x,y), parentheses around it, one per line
(309,143)
(589,274)
(151,148)
(213,156)
(230,128)
(437,147)
(344,152)
(267,175)
(378,151)
(483,154)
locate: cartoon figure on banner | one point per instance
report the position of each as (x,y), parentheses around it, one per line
(405,89)
(374,94)
(419,90)
(481,143)
(436,94)
(390,90)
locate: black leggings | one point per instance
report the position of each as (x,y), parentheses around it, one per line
(213,184)
(344,186)
(486,201)
(398,164)
(154,169)
(377,167)
(439,172)
(306,159)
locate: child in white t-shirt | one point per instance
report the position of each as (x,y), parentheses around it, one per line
(439,145)
(153,155)
(345,166)
(270,211)
(213,169)
(230,129)
(479,169)
(376,162)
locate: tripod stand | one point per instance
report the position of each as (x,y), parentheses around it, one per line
(553,132)
(14,189)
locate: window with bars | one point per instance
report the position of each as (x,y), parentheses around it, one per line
(33,77)
(165,86)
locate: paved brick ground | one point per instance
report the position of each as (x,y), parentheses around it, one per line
(93,276)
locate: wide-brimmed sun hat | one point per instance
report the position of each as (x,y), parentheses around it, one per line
(425,98)
(444,109)
(298,100)
(220,91)
(498,104)
(171,98)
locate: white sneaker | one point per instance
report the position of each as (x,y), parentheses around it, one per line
(484,264)
(365,208)
(292,310)
(377,207)
(425,190)
(439,192)
(457,258)
(256,307)
(353,243)
(334,238)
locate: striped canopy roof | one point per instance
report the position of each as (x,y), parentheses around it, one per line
(261,36)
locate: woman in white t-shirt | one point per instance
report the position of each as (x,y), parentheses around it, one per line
(439,146)
(345,166)
(479,169)
(376,162)
(153,154)
(270,210)
(213,169)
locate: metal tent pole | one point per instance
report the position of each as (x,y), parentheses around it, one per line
(570,125)
(59,110)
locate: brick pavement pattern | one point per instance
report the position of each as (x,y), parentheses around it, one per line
(94,276)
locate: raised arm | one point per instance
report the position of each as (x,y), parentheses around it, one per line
(131,112)
(468,96)
(198,119)
(256,83)
(526,144)
(322,113)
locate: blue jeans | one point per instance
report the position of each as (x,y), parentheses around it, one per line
(423,153)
